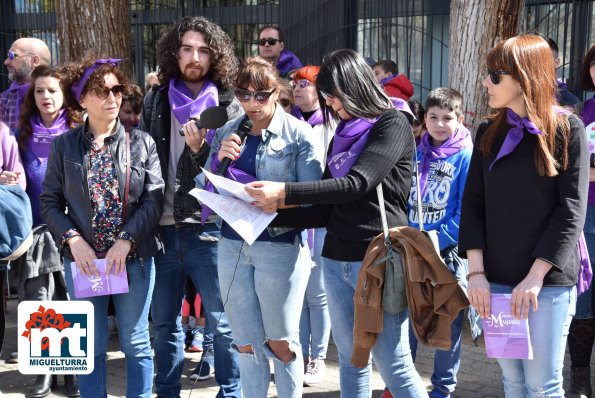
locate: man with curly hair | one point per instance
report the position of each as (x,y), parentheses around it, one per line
(197,68)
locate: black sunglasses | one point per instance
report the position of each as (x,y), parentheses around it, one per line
(103,92)
(495,75)
(259,96)
(271,41)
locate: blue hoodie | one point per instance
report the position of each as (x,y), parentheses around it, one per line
(442,197)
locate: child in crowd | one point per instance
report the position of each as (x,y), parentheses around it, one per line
(395,84)
(444,154)
(418,125)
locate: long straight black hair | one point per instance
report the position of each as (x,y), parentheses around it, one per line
(346,75)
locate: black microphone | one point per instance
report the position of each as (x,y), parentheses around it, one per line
(242,131)
(211,118)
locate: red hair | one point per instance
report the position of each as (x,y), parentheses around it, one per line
(529,60)
(307,72)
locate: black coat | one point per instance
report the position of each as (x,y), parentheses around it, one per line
(65,201)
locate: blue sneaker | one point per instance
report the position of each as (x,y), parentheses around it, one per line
(197,339)
(435,393)
(206,367)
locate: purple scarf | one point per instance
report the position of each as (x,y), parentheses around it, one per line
(182,104)
(459,140)
(402,105)
(515,134)
(21,90)
(588,117)
(314,120)
(287,62)
(351,137)
(79,85)
(42,136)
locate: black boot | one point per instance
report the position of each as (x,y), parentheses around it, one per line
(42,386)
(580,382)
(71,384)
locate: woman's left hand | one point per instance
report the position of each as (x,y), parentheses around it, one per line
(524,295)
(266,193)
(116,256)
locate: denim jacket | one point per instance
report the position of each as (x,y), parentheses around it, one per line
(289,152)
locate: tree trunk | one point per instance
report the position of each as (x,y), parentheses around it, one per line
(475,27)
(99,28)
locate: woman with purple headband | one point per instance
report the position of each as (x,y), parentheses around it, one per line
(102,199)
(43,117)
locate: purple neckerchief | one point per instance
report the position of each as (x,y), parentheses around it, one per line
(42,136)
(21,90)
(314,120)
(387,79)
(402,105)
(516,132)
(460,139)
(561,84)
(287,62)
(79,85)
(182,104)
(233,173)
(585,274)
(350,139)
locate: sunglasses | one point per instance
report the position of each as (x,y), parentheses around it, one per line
(271,41)
(285,102)
(302,83)
(260,96)
(103,92)
(11,55)
(495,75)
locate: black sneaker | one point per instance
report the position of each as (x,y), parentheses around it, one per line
(206,367)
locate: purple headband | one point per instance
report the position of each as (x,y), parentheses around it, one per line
(77,88)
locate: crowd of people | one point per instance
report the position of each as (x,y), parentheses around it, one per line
(108,171)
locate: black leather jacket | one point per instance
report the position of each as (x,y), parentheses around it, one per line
(65,201)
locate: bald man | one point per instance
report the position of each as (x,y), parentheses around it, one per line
(24,55)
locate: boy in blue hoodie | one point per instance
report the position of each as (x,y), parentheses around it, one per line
(443,156)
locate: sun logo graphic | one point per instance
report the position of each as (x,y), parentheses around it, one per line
(55,337)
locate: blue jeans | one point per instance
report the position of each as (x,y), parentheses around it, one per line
(315,322)
(447,363)
(548,328)
(264,286)
(391,353)
(190,249)
(132,314)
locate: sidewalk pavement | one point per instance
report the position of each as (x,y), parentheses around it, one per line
(478,376)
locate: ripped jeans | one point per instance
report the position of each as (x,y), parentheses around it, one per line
(262,287)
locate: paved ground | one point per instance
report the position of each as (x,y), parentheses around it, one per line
(478,377)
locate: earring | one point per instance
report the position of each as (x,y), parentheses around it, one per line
(520,90)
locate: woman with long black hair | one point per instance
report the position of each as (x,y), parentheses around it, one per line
(372,145)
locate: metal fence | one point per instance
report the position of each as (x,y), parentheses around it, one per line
(413,33)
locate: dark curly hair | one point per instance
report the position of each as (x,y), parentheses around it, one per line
(29,108)
(135,98)
(74,71)
(224,65)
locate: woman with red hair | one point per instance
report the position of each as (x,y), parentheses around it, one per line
(524,207)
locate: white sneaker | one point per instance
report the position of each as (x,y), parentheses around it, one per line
(315,373)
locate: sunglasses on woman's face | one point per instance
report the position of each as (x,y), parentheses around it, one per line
(260,96)
(495,75)
(301,83)
(103,92)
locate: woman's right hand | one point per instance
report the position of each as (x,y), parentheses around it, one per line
(83,255)
(230,148)
(9,177)
(478,290)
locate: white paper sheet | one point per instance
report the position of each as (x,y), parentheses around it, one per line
(234,205)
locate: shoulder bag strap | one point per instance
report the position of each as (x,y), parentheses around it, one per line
(127,187)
